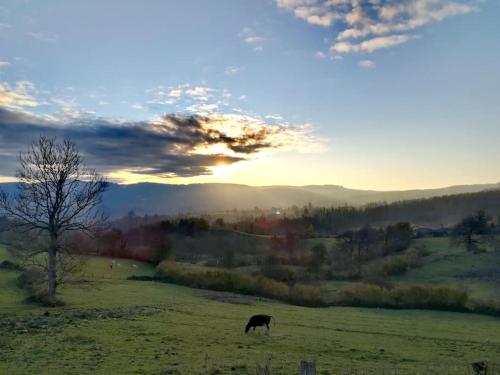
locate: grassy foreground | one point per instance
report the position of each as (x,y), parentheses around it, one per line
(111,325)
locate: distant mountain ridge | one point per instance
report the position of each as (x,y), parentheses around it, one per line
(152,198)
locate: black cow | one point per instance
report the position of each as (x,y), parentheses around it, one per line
(480,368)
(258,321)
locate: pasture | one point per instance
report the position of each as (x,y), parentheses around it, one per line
(479,274)
(112,325)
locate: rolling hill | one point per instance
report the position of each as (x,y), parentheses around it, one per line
(150,198)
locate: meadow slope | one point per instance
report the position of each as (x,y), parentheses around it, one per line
(111,325)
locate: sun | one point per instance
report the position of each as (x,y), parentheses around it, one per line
(222,170)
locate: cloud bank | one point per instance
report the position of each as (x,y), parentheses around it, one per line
(172,145)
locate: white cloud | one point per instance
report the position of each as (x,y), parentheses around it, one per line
(64,102)
(381,23)
(203,108)
(102,102)
(161,101)
(165,95)
(200,93)
(4,26)
(4,64)
(43,36)
(191,98)
(175,93)
(253,39)
(17,96)
(249,36)
(320,55)
(371,45)
(137,106)
(367,64)
(273,117)
(69,110)
(231,70)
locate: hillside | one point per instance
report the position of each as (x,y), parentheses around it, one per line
(444,211)
(479,274)
(149,198)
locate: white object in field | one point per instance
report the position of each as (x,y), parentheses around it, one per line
(134,265)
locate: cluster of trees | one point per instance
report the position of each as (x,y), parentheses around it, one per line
(435,212)
(358,246)
(475,232)
(148,242)
(290,259)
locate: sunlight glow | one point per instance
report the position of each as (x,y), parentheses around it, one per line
(222,170)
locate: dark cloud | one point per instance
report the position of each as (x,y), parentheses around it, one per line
(172,146)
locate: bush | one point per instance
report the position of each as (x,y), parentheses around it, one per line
(10,266)
(486,307)
(143,278)
(398,237)
(298,294)
(280,273)
(421,249)
(374,274)
(404,297)
(230,281)
(228,258)
(363,295)
(332,273)
(358,294)
(318,257)
(34,281)
(396,265)
(426,297)
(377,272)
(31,279)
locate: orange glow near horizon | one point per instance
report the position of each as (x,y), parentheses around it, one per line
(296,170)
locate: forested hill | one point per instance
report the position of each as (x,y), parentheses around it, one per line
(148,198)
(434,212)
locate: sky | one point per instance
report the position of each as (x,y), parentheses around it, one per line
(369,94)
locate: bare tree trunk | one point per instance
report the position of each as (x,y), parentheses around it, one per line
(52,272)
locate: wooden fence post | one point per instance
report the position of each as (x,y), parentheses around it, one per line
(307,368)
(264,370)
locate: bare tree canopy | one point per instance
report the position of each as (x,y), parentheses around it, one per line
(56,194)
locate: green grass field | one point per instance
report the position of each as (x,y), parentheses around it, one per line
(112,325)
(447,265)
(478,274)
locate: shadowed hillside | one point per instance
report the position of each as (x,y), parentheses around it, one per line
(148,198)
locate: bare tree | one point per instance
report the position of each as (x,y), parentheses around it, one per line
(56,194)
